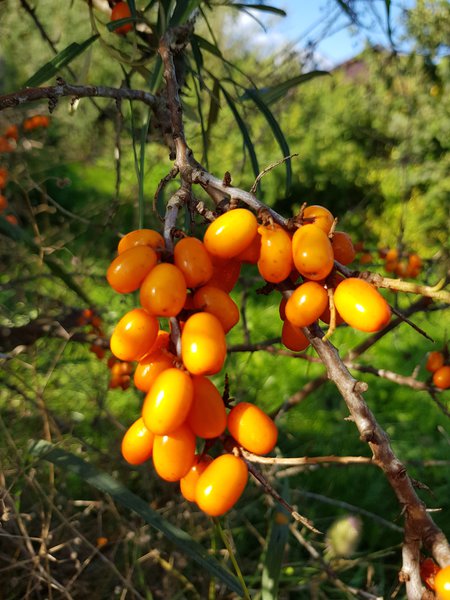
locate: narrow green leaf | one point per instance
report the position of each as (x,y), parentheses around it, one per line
(106,484)
(262,7)
(214,108)
(276,129)
(206,45)
(183,11)
(112,25)
(244,131)
(61,60)
(348,10)
(274,554)
(276,92)
(202,121)
(197,54)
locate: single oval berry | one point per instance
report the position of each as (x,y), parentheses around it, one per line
(293,338)
(344,251)
(306,304)
(435,361)
(207,416)
(137,443)
(193,260)
(134,335)
(121,10)
(231,233)
(188,483)
(217,302)
(163,291)
(150,366)
(168,401)
(221,484)
(442,583)
(441,377)
(141,237)
(275,259)
(225,273)
(174,454)
(361,305)
(128,270)
(252,428)
(312,252)
(203,345)
(319,216)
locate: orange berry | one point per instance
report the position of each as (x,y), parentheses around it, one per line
(193,260)
(163,291)
(161,343)
(361,305)
(282,309)
(326,317)
(203,345)
(319,216)
(174,454)
(391,255)
(312,252)
(3,177)
(188,483)
(252,428)
(168,401)
(3,203)
(275,259)
(99,351)
(293,338)
(306,304)
(125,382)
(414,261)
(343,249)
(231,233)
(252,252)
(137,443)
(121,10)
(442,583)
(12,219)
(121,368)
(435,360)
(134,335)
(221,484)
(441,377)
(128,270)
(225,273)
(5,146)
(207,416)
(141,237)
(149,367)
(12,132)
(215,301)
(428,571)
(366,258)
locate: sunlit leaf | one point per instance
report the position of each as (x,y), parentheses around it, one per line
(68,462)
(262,7)
(277,92)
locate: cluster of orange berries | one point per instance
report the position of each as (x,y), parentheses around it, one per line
(121,10)
(435,578)
(181,402)
(437,364)
(402,264)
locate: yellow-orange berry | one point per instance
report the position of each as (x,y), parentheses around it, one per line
(193,260)
(441,377)
(343,249)
(188,483)
(361,305)
(275,259)
(121,10)
(203,345)
(207,416)
(134,335)
(216,301)
(150,366)
(128,270)
(163,291)
(306,304)
(293,338)
(141,237)
(231,233)
(221,484)
(252,428)
(319,216)
(435,360)
(442,583)
(312,252)
(174,453)
(137,443)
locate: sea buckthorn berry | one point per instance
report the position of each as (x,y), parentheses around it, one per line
(193,260)
(221,484)
(12,132)
(3,177)
(121,10)
(128,270)
(161,343)
(312,252)
(252,428)
(319,216)
(361,305)
(231,233)
(12,219)
(188,483)
(213,300)
(203,345)
(207,416)
(343,249)
(137,443)
(282,309)
(5,146)
(252,252)
(168,401)
(442,583)
(441,377)
(174,454)
(3,203)
(98,350)
(326,317)
(149,367)
(435,360)
(225,273)
(306,304)
(141,237)
(275,259)
(293,338)
(134,335)
(428,571)
(366,258)
(163,291)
